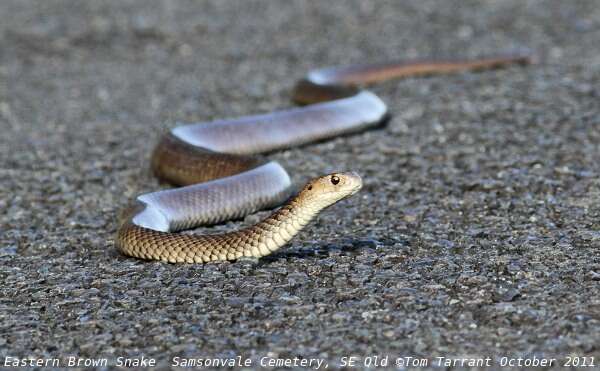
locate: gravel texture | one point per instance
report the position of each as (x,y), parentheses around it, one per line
(477,232)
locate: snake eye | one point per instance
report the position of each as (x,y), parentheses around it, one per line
(335,179)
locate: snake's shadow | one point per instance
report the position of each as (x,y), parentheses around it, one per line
(320,251)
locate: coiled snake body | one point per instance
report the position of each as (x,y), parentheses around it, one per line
(222,178)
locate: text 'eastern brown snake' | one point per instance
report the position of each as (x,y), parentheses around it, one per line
(222,176)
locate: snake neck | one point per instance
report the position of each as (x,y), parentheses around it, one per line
(279,228)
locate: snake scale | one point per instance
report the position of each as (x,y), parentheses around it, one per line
(222,175)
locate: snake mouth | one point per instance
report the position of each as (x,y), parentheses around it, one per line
(355,190)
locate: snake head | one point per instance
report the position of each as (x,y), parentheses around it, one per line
(329,189)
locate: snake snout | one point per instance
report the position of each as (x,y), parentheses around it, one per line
(354,182)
